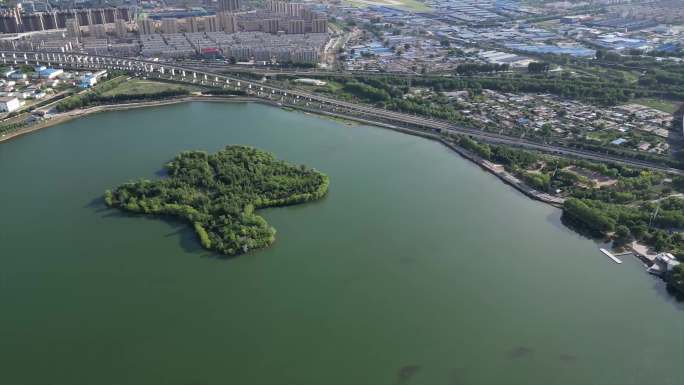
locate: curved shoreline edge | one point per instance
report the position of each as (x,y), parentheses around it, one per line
(486,166)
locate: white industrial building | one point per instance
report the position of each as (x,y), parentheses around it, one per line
(9,103)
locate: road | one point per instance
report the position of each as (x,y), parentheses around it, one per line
(345,108)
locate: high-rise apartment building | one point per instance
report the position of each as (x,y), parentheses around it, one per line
(210,24)
(98,30)
(120,28)
(192,24)
(49,20)
(73,28)
(227,22)
(270,25)
(229,5)
(10,21)
(295,26)
(145,26)
(32,22)
(319,25)
(14,20)
(169,26)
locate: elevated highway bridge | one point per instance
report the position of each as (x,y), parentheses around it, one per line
(299,99)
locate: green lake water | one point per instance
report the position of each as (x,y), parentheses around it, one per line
(417,268)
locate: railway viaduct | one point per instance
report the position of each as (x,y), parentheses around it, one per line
(299,99)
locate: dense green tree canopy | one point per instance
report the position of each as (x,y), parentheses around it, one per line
(218,194)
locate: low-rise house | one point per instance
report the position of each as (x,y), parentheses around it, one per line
(25,94)
(88,80)
(16,75)
(643,146)
(48,73)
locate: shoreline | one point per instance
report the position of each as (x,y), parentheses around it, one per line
(485,165)
(494,169)
(74,114)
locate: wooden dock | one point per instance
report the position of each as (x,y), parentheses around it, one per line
(611,256)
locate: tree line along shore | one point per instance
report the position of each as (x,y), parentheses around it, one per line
(605,201)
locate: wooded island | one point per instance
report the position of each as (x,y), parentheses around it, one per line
(218,194)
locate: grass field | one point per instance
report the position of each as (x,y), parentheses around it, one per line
(409,5)
(140,86)
(659,104)
(549,23)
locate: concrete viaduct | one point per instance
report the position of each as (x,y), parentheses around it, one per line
(298,99)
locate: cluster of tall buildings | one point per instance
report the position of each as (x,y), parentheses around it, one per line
(283,17)
(223,22)
(277,17)
(16,21)
(259,47)
(279,32)
(229,5)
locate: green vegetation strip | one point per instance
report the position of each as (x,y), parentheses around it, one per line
(147,87)
(630,205)
(114,91)
(662,105)
(218,194)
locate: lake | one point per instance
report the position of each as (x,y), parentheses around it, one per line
(417,268)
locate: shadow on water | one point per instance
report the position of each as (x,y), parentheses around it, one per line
(567,358)
(408,260)
(187,238)
(581,229)
(405,374)
(668,294)
(97,204)
(565,222)
(162,173)
(554,219)
(520,352)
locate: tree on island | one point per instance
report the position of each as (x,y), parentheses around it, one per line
(217,194)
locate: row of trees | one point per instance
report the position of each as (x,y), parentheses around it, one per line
(629,205)
(476,68)
(97,98)
(537,67)
(367,92)
(631,209)
(592,218)
(597,91)
(392,92)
